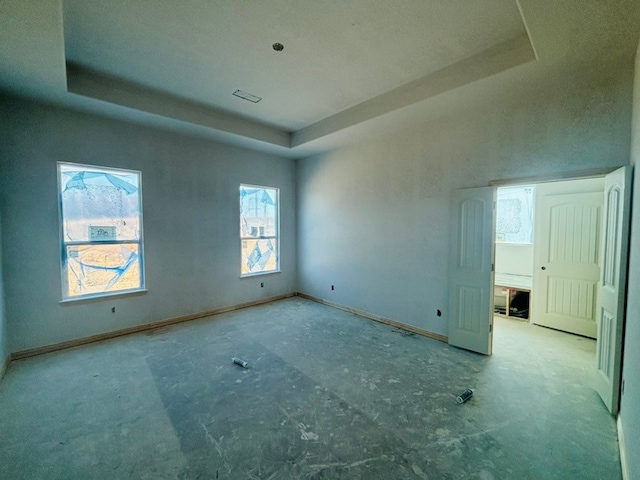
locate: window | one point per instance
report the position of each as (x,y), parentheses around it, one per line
(259,230)
(101,229)
(514,216)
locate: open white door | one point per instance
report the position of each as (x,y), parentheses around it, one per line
(613,284)
(567,256)
(471,270)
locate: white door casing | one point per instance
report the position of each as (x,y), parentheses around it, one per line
(612,285)
(471,269)
(567,252)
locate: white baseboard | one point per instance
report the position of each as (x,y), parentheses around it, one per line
(377,318)
(141,328)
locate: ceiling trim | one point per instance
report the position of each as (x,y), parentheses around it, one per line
(526,27)
(85,82)
(501,57)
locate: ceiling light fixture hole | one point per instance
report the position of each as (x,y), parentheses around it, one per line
(278,47)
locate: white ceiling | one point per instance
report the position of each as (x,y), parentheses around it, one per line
(337,53)
(344,63)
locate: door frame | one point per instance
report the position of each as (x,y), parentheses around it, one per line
(567,176)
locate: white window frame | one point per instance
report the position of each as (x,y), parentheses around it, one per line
(275,237)
(64,243)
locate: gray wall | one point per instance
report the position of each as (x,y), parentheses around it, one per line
(190,204)
(4,348)
(630,401)
(373,218)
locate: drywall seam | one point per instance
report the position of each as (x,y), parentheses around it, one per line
(623,450)
(526,27)
(377,318)
(140,328)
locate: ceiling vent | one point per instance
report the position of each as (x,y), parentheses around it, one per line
(247,96)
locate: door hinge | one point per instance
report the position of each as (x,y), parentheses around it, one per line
(490,327)
(493,266)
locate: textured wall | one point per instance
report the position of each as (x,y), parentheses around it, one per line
(630,401)
(190,208)
(514,259)
(373,218)
(4,348)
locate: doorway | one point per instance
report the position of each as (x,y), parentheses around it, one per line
(471,279)
(548,254)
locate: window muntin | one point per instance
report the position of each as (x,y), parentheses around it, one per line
(514,215)
(259,230)
(101,230)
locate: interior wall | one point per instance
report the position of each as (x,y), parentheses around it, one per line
(629,405)
(191,225)
(514,259)
(4,349)
(373,218)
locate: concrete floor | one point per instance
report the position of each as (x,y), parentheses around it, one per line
(327,395)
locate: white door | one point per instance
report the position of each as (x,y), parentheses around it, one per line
(567,256)
(471,270)
(613,283)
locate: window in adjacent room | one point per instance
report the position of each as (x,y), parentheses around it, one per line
(101,229)
(514,216)
(259,230)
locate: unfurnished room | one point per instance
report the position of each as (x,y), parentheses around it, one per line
(300,240)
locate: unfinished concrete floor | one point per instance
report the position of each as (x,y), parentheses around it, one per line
(327,395)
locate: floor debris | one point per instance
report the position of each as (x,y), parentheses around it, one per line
(239,361)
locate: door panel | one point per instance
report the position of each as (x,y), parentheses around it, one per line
(613,286)
(566,275)
(571,298)
(471,272)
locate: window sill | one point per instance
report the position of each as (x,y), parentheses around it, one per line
(258,274)
(102,296)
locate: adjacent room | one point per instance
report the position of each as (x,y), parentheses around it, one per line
(276,239)
(546,232)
